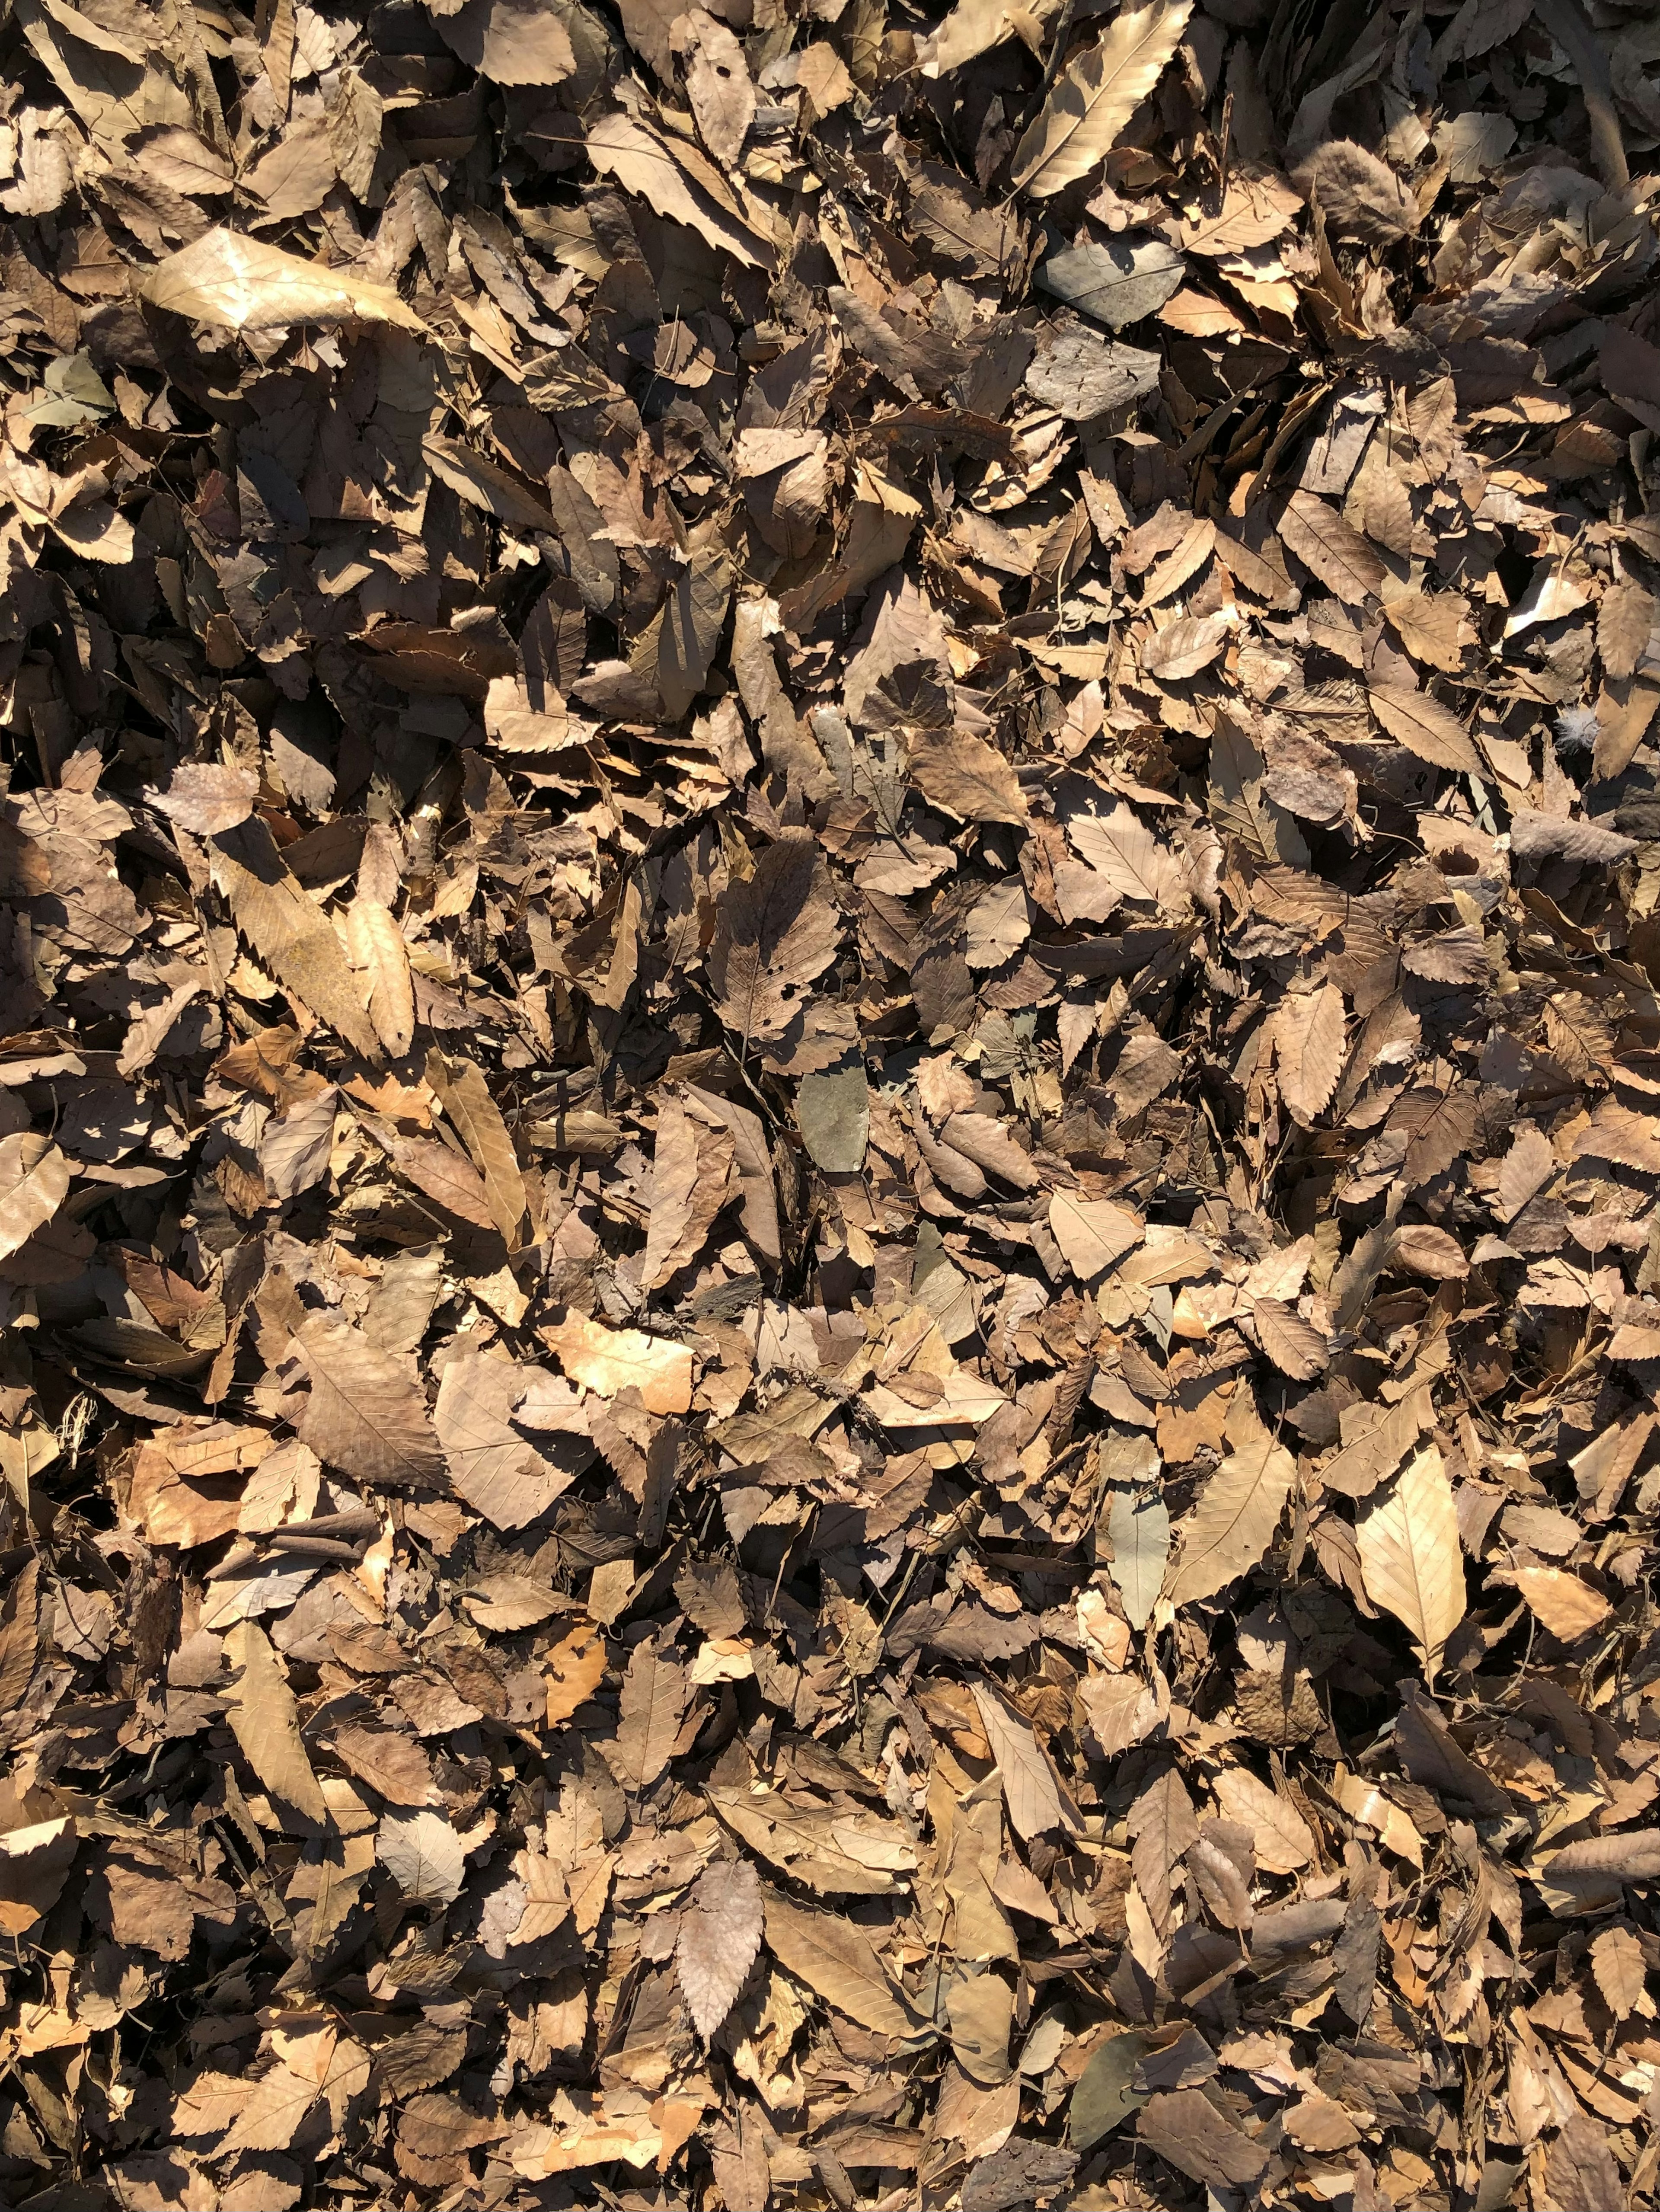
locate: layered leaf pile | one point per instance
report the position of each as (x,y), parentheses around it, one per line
(829,1105)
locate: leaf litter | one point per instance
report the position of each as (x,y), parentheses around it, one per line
(829,1104)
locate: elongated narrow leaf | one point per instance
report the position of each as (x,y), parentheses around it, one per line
(289,933)
(478,1123)
(378,952)
(653,1705)
(244,284)
(1163,1826)
(265,1723)
(1411,1557)
(1325,544)
(1138,1526)
(719,1936)
(1308,1047)
(1029,1787)
(1081,121)
(837,1962)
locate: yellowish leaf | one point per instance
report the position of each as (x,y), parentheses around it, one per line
(1567,1607)
(1411,1560)
(222,277)
(612,1359)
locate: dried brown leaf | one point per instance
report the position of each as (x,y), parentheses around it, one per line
(1081,120)
(364,1414)
(1411,1556)
(718,1942)
(265,1722)
(1234,1522)
(241,284)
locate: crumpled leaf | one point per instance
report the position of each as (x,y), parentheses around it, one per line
(825,903)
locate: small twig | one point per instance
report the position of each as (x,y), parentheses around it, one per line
(1228,149)
(1053,66)
(261,1888)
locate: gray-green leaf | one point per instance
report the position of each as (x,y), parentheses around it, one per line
(1116,284)
(833,1110)
(1139,1529)
(1106,2095)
